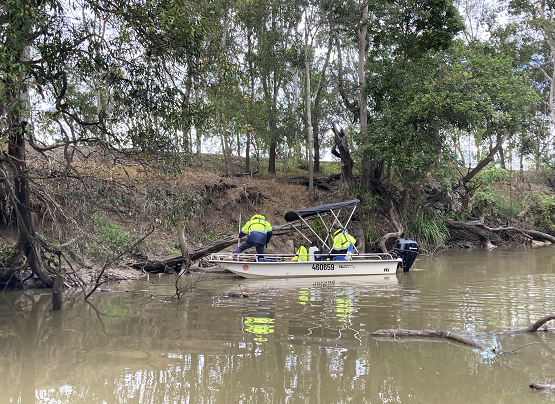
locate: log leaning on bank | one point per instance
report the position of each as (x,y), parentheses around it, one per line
(485,233)
(173,262)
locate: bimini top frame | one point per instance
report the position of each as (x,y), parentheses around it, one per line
(333,209)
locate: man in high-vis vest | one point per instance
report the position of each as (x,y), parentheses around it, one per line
(341,241)
(258,232)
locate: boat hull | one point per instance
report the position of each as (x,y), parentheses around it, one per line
(292,269)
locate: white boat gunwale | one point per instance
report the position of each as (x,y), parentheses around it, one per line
(283,265)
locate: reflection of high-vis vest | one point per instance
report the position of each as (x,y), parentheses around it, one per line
(344,306)
(260,326)
(342,240)
(301,254)
(257,223)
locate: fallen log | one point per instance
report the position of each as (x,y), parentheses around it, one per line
(542,386)
(400,333)
(173,262)
(476,227)
(532,328)
(484,232)
(325,184)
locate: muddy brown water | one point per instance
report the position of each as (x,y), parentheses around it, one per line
(290,341)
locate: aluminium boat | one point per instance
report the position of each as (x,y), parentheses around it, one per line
(317,263)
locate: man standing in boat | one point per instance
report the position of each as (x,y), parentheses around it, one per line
(258,232)
(341,241)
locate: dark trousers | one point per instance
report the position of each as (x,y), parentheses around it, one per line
(248,244)
(334,253)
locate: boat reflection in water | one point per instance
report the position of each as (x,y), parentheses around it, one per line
(267,284)
(334,299)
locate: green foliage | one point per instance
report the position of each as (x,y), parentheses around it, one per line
(5,250)
(546,219)
(172,208)
(485,195)
(110,237)
(371,231)
(319,227)
(369,200)
(474,89)
(213,237)
(428,227)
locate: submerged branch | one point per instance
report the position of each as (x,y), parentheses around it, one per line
(542,386)
(107,264)
(532,328)
(400,333)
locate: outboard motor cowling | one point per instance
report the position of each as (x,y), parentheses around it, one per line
(407,249)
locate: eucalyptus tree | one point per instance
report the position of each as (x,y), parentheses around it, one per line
(530,37)
(472,88)
(390,38)
(270,27)
(126,84)
(537,22)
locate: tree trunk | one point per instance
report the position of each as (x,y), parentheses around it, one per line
(57,289)
(502,159)
(160,264)
(316,110)
(252,78)
(310,141)
(489,158)
(227,155)
(273,146)
(26,248)
(248,152)
(316,127)
(184,250)
(341,150)
(397,223)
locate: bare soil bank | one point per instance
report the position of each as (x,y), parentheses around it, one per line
(104,212)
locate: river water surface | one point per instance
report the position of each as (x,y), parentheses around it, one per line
(290,341)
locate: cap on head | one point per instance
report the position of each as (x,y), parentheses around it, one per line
(336,226)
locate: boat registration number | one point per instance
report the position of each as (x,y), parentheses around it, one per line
(323,267)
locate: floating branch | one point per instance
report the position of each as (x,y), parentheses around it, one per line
(542,386)
(400,333)
(533,328)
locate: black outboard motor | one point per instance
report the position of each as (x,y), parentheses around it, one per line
(407,248)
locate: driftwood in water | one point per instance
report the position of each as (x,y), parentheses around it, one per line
(542,386)
(173,263)
(400,333)
(532,328)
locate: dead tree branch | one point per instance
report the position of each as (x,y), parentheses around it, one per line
(532,328)
(542,386)
(174,261)
(401,333)
(107,264)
